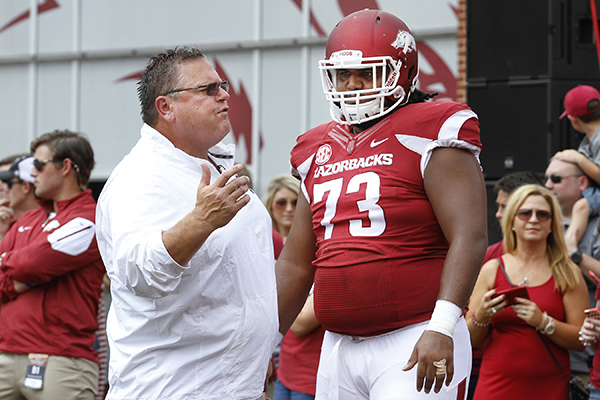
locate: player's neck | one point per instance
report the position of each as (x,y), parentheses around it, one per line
(359,128)
(356,129)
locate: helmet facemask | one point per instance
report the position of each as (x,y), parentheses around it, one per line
(359,106)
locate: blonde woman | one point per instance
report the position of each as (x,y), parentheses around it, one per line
(516,363)
(280,200)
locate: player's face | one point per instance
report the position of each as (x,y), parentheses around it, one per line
(501,200)
(284,207)
(533,223)
(357,79)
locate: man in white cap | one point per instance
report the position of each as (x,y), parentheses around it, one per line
(21,192)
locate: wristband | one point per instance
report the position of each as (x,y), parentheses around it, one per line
(444,318)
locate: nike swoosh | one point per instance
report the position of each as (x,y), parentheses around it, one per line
(375,143)
(24,228)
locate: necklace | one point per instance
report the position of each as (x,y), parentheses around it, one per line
(526,279)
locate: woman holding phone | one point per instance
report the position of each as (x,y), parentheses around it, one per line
(546,317)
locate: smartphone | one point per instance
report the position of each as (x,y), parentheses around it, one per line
(519,291)
(592,313)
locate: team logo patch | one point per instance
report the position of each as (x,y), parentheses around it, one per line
(405,41)
(323,154)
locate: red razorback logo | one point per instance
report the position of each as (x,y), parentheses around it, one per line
(45,6)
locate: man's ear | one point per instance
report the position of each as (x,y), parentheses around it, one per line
(67,166)
(584,182)
(164,108)
(575,122)
(27,187)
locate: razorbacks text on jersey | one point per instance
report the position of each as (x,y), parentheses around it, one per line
(380,248)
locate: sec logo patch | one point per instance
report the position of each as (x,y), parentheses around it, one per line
(323,154)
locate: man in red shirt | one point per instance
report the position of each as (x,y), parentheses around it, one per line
(20,192)
(503,188)
(50,280)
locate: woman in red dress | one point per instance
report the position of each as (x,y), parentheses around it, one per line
(517,362)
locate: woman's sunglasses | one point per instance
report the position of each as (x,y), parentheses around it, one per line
(541,215)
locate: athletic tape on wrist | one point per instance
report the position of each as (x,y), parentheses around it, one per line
(444,318)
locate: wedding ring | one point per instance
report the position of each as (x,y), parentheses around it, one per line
(440,367)
(494,311)
(524,312)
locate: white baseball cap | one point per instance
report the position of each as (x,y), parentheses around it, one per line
(20,168)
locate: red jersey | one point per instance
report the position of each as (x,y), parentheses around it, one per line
(380,248)
(57,253)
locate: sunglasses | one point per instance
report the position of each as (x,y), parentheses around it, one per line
(40,164)
(541,215)
(283,202)
(212,89)
(556,178)
(9,184)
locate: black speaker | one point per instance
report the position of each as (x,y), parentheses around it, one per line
(530,39)
(520,125)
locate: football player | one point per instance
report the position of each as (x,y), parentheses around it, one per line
(390,223)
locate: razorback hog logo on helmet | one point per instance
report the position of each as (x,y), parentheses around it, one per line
(405,41)
(323,154)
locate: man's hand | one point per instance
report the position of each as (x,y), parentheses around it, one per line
(218,203)
(6,217)
(270,371)
(20,287)
(432,346)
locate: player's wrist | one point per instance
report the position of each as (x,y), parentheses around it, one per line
(444,318)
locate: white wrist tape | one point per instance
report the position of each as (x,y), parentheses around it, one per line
(444,318)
